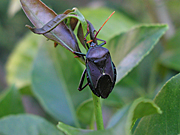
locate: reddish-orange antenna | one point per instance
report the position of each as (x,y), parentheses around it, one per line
(104,23)
(101,27)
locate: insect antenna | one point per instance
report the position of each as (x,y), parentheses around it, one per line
(103,24)
(101,28)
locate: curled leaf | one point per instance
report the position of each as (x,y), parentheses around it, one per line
(39,14)
(73,23)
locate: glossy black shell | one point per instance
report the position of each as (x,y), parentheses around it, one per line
(101,72)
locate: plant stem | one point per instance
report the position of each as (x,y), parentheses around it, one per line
(98,112)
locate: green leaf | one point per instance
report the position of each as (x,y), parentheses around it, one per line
(170,57)
(116,24)
(143,80)
(55,78)
(52,76)
(20,61)
(85,112)
(27,125)
(10,102)
(69,130)
(129,48)
(168,122)
(121,122)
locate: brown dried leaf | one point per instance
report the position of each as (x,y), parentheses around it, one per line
(39,14)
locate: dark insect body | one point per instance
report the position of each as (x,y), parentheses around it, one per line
(100,70)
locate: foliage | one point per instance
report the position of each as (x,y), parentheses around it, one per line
(51,76)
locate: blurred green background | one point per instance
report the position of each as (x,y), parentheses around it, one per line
(13,19)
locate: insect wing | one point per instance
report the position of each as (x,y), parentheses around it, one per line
(109,68)
(93,74)
(104,85)
(106,82)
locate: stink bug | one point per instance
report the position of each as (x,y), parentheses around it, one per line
(100,70)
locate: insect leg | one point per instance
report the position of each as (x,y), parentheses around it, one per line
(55,44)
(85,40)
(104,42)
(79,54)
(81,81)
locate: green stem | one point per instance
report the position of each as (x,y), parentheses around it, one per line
(98,112)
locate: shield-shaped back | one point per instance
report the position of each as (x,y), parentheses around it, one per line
(100,71)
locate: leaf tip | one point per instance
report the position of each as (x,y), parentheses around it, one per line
(74,8)
(159,111)
(59,125)
(31,28)
(166,26)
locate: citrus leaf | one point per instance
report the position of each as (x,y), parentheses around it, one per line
(55,78)
(168,122)
(116,24)
(129,48)
(84,115)
(20,61)
(122,121)
(27,125)
(170,57)
(11,102)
